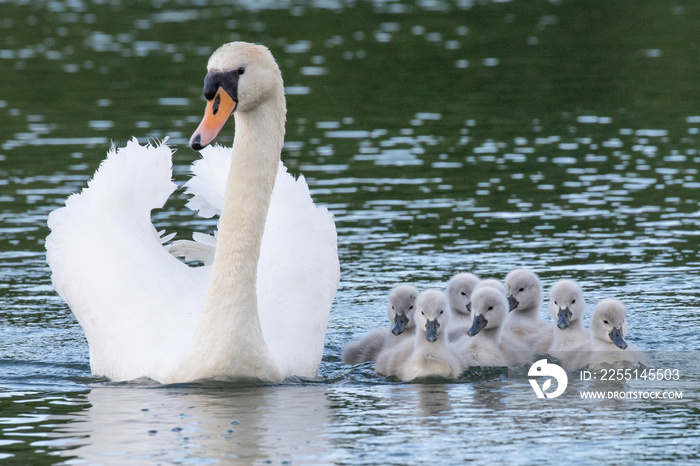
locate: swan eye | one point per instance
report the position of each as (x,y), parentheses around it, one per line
(573,301)
(521,289)
(410,307)
(240,70)
(422,313)
(441,311)
(463,293)
(605,322)
(556,303)
(490,308)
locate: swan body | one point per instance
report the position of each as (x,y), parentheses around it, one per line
(608,331)
(523,326)
(429,354)
(400,312)
(482,345)
(260,310)
(571,341)
(459,290)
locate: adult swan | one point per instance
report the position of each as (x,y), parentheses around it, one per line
(260,310)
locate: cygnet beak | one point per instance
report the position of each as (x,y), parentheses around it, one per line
(478,324)
(564,318)
(431,330)
(616,337)
(512,303)
(400,323)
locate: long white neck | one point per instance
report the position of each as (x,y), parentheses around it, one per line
(229,338)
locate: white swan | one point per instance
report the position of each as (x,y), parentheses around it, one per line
(400,311)
(429,353)
(523,324)
(482,345)
(261,309)
(608,331)
(572,341)
(459,290)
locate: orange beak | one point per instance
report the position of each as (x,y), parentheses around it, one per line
(215,115)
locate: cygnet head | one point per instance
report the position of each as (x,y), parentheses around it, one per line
(401,310)
(492,283)
(432,314)
(566,303)
(609,322)
(459,291)
(489,309)
(240,77)
(523,289)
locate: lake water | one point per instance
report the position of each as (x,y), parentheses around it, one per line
(477,136)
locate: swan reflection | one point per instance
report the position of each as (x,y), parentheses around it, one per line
(200,424)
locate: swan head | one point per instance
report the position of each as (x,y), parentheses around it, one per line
(490,309)
(566,303)
(402,307)
(609,323)
(240,76)
(459,291)
(432,314)
(523,289)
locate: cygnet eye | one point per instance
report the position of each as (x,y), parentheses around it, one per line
(521,289)
(392,307)
(410,307)
(422,313)
(441,311)
(490,308)
(605,322)
(463,293)
(240,70)
(556,303)
(573,301)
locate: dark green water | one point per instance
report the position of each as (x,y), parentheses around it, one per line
(444,136)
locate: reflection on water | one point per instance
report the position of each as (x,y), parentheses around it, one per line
(443,136)
(243,425)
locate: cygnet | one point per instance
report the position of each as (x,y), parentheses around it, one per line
(459,291)
(482,346)
(572,341)
(523,326)
(429,354)
(608,331)
(401,309)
